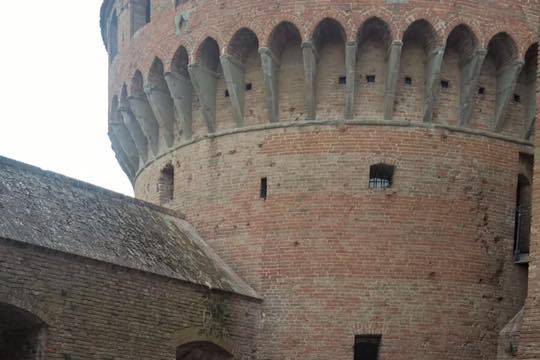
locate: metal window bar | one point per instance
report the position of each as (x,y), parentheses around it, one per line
(522,232)
(379,183)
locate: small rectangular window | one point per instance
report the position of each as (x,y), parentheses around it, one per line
(342,80)
(381,176)
(227,93)
(445,84)
(408,80)
(366,347)
(517,98)
(481,90)
(249,86)
(264,188)
(370,78)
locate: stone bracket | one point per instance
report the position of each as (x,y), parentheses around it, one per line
(125,141)
(310,75)
(433,82)
(122,157)
(181,91)
(350,65)
(140,140)
(470,73)
(205,84)
(234,74)
(145,117)
(270,68)
(162,106)
(392,74)
(506,84)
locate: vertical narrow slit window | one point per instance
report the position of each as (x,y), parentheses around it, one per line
(264,188)
(366,347)
(148,11)
(166,184)
(381,176)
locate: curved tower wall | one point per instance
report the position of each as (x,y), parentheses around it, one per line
(309,95)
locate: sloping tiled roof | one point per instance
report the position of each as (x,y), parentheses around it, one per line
(49,210)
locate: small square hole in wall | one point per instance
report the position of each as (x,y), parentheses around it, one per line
(342,80)
(249,86)
(445,84)
(517,98)
(408,80)
(227,93)
(481,90)
(370,79)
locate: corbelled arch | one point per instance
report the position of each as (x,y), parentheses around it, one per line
(207,77)
(343,21)
(161,103)
(181,90)
(142,111)
(459,75)
(121,140)
(325,70)
(522,113)
(497,82)
(420,65)
(273,24)
(381,13)
(370,69)
(283,71)
(129,120)
(242,70)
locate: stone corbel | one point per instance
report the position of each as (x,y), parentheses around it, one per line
(270,68)
(181,91)
(205,84)
(392,74)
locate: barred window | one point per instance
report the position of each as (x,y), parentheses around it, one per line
(381,176)
(366,347)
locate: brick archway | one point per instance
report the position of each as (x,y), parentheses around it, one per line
(22,334)
(202,350)
(195,344)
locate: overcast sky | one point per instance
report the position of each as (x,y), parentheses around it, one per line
(53,111)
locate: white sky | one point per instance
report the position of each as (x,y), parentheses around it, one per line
(53,97)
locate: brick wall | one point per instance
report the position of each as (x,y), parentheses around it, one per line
(333,259)
(427,264)
(95,310)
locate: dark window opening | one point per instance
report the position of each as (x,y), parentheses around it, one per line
(342,80)
(517,98)
(445,84)
(166,184)
(381,176)
(249,86)
(522,225)
(264,188)
(408,80)
(481,90)
(366,347)
(227,93)
(148,11)
(370,78)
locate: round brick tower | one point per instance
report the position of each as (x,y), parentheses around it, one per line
(356,162)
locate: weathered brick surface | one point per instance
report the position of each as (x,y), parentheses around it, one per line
(427,264)
(95,310)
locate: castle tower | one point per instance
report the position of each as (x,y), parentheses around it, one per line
(357,163)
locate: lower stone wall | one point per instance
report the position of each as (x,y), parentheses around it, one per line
(95,310)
